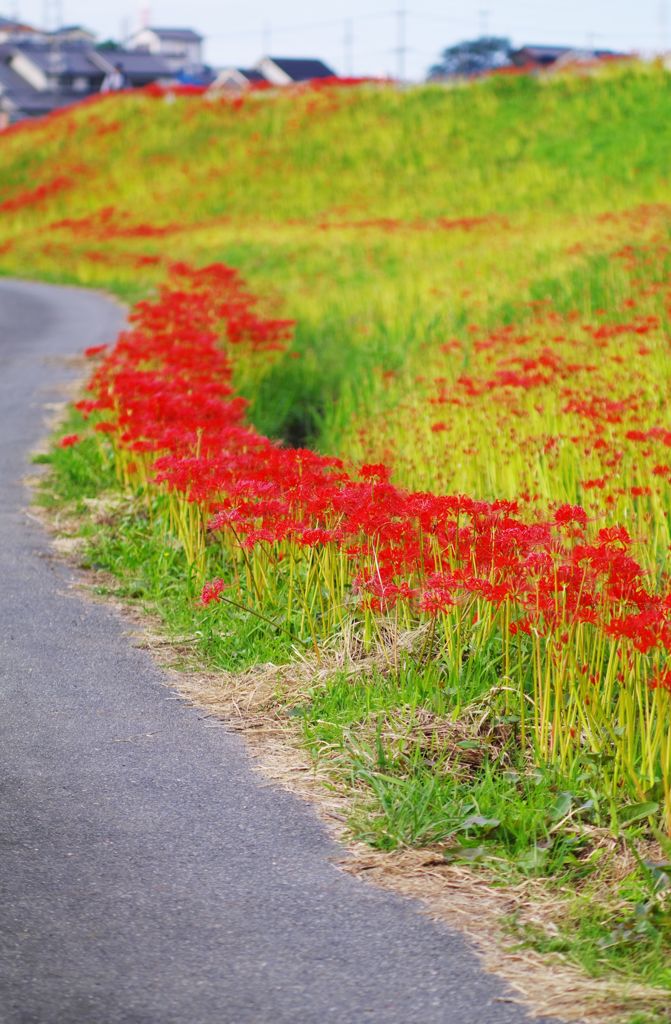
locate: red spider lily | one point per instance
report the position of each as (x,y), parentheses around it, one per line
(356,543)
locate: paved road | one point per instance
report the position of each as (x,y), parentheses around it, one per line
(147,876)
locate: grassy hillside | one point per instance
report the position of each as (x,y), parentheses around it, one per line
(459,300)
(372,217)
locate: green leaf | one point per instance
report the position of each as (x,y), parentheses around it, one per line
(533,859)
(561,806)
(635,812)
(480,822)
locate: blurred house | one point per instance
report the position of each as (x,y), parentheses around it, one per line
(237,79)
(43,71)
(180,48)
(137,67)
(277,71)
(18,98)
(285,70)
(12,29)
(38,76)
(73,34)
(540,57)
(70,68)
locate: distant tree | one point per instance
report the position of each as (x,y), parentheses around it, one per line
(472,57)
(109,45)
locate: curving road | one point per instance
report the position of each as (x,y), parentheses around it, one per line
(147,876)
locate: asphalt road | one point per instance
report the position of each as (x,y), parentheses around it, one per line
(147,875)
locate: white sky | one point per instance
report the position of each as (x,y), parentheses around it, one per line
(240,33)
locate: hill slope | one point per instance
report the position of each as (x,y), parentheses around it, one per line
(370,216)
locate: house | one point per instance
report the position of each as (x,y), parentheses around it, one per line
(557,56)
(73,34)
(278,71)
(180,48)
(138,67)
(236,79)
(285,70)
(38,77)
(74,68)
(18,98)
(12,29)
(19,106)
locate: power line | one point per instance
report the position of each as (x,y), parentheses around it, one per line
(53,14)
(401,47)
(483,15)
(341,32)
(305,26)
(663,25)
(348,47)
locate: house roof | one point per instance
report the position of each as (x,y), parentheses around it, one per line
(182,35)
(301,69)
(237,77)
(33,102)
(69,30)
(138,62)
(545,52)
(11,25)
(251,74)
(64,59)
(550,54)
(10,81)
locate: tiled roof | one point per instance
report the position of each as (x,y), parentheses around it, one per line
(9,24)
(32,103)
(138,62)
(301,69)
(63,59)
(66,29)
(552,53)
(183,35)
(10,82)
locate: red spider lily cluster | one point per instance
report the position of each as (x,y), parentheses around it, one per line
(31,197)
(579,626)
(558,406)
(389,224)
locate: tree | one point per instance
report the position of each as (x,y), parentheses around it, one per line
(473,57)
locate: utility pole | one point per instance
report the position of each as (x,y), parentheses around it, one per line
(52,15)
(401,48)
(267,39)
(484,21)
(663,26)
(348,47)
